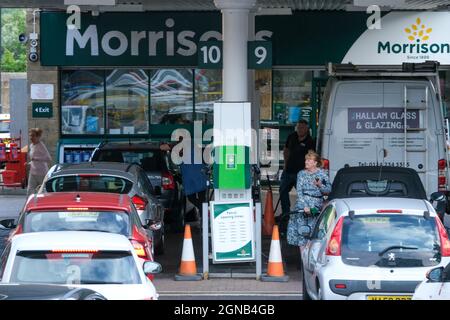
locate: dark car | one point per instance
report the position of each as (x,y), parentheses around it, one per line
(160,169)
(16,291)
(109,177)
(356,182)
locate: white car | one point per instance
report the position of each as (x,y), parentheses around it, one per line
(372,249)
(436,286)
(103,262)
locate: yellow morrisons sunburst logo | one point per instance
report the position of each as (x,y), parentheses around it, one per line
(418,32)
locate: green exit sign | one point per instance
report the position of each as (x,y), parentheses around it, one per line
(42,109)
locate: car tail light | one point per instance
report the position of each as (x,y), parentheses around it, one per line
(442,179)
(139,202)
(139,248)
(443,236)
(167,181)
(325,164)
(334,245)
(389,211)
(139,243)
(74,251)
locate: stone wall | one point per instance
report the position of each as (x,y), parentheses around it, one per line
(6,79)
(38,74)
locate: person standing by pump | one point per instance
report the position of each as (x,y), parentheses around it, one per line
(297,145)
(312,184)
(39,160)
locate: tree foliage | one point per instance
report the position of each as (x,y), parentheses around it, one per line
(14,57)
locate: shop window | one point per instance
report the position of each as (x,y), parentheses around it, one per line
(82,102)
(171,96)
(208,89)
(127,101)
(291,95)
(263,87)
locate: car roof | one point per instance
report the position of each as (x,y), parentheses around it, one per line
(120,169)
(27,291)
(63,200)
(346,176)
(125,145)
(71,240)
(369,205)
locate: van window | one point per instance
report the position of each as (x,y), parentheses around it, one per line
(389,241)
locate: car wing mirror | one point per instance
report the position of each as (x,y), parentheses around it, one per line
(151,267)
(153,225)
(438,196)
(435,275)
(8,224)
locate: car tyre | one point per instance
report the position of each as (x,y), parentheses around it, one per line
(159,249)
(178,223)
(305,295)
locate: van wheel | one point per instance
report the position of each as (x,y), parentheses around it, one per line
(305,295)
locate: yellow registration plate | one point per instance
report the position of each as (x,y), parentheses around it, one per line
(389,297)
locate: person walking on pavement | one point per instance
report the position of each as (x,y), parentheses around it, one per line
(39,160)
(312,184)
(297,145)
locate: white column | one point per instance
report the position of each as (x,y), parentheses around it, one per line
(235,14)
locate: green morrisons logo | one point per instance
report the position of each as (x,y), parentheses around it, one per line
(418,34)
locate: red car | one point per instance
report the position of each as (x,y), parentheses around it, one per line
(86,211)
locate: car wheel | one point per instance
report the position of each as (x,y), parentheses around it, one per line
(159,249)
(178,222)
(319,291)
(305,295)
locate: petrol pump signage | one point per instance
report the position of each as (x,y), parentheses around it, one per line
(232,231)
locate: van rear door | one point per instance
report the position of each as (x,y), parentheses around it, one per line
(407,146)
(368,125)
(357,104)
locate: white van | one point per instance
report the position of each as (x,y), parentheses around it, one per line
(362,121)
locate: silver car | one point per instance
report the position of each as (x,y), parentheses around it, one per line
(372,249)
(113,178)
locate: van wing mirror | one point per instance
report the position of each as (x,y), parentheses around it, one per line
(435,275)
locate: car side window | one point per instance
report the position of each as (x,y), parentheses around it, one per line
(4,259)
(324,223)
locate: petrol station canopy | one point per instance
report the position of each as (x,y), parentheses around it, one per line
(265,6)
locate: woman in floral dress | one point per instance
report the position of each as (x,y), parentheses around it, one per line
(312,184)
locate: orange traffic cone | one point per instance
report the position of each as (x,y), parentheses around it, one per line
(269,215)
(275,270)
(188,267)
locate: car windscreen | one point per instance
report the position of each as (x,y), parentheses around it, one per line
(149,160)
(390,241)
(92,183)
(102,267)
(106,221)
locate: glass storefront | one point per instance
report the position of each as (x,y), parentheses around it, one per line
(127,101)
(171,96)
(82,102)
(135,99)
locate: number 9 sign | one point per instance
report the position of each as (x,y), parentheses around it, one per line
(259,55)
